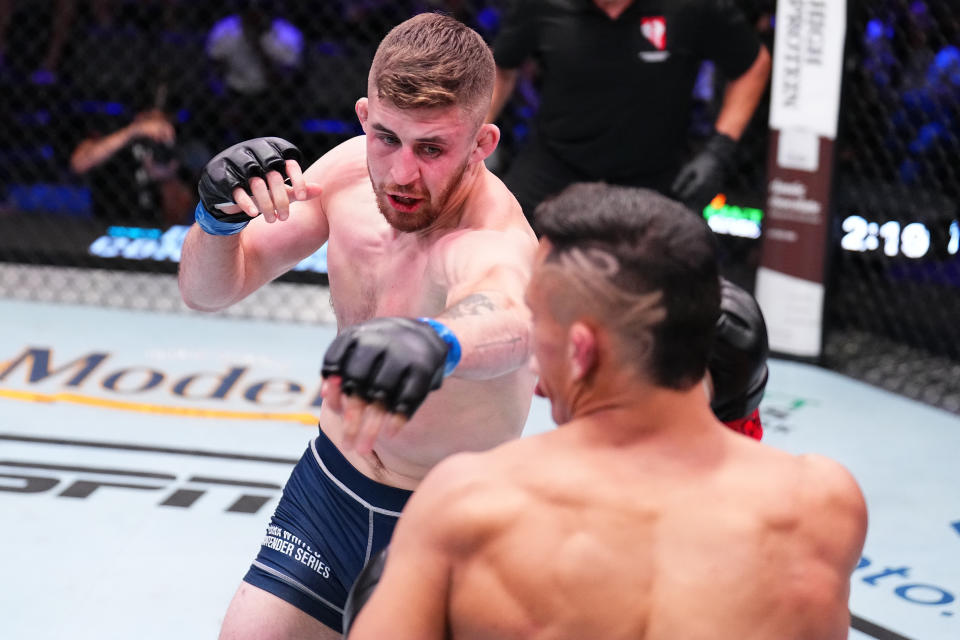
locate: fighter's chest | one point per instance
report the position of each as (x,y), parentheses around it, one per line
(371,277)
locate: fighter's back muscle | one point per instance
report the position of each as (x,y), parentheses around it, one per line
(565,553)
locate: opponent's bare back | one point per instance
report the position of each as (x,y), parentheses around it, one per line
(571,537)
(641,516)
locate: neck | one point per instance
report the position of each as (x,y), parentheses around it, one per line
(613,8)
(456,206)
(639,411)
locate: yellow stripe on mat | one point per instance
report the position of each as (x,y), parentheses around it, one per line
(142,407)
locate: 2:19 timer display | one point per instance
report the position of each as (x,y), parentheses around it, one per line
(893,238)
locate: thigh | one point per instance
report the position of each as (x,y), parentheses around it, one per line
(255,614)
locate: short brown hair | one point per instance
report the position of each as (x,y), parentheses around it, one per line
(433,60)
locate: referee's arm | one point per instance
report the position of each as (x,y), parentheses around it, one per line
(742,96)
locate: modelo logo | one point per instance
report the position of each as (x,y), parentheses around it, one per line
(38,366)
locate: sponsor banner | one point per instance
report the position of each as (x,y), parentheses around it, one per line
(794,306)
(805,102)
(807,68)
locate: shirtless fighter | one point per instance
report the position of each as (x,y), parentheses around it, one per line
(641,516)
(416,228)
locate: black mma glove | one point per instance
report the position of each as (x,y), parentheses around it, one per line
(702,178)
(233,168)
(738,363)
(396,361)
(363,588)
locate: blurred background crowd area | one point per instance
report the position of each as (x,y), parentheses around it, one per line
(176,81)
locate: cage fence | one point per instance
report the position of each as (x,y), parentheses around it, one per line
(79,225)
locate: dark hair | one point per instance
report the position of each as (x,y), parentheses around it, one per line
(433,60)
(645,267)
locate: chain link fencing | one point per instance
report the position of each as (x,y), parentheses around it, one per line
(893,299)
(80,223)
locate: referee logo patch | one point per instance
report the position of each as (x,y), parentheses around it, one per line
(654,29)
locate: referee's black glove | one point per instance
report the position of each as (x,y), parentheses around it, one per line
(702,178)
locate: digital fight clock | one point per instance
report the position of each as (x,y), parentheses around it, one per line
(895,238)
(896,222)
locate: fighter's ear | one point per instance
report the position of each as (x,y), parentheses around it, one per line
(488,137)
(582,350)
(362,109)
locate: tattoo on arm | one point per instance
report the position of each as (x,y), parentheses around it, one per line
(496,335)
(475,304)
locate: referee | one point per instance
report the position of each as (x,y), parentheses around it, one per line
(616,81)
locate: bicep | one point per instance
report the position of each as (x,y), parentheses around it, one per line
(499,288)
(272,249)
(488,272)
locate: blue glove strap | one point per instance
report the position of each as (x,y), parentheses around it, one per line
(214,227)
(453,352)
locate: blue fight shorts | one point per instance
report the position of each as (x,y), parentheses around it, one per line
(330,520)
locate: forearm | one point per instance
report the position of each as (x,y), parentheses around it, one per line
(742,96)
(503,86)
(211,273)
(494,334)
(91,153)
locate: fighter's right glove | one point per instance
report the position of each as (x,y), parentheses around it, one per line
(395,361)
(738,363)
(233,168)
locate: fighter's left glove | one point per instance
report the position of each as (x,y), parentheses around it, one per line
(363,588)
(395,361)
(702,178)
(738,363)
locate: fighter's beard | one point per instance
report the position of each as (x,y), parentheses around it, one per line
(426,214)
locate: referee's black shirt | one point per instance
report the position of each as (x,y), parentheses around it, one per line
(616,94)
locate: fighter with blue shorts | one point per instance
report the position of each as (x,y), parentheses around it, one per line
(428,257)
(302,559)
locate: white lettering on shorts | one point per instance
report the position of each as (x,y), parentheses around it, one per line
(283,541)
